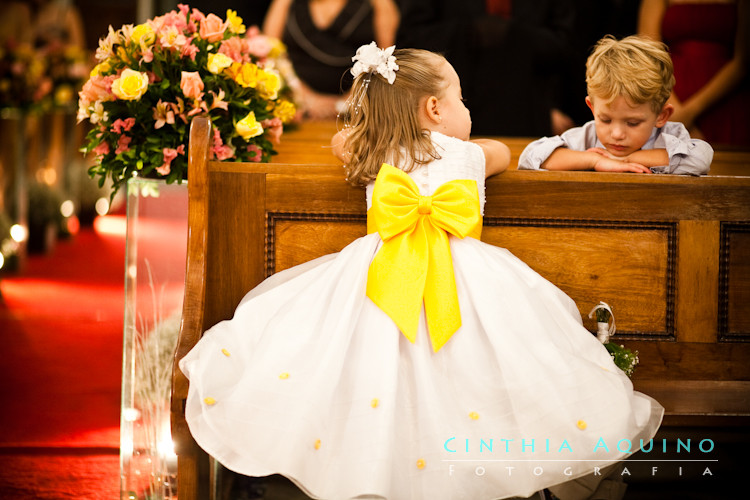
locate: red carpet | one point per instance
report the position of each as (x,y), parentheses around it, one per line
(61,323)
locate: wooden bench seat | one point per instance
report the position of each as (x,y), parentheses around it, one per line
(670,254)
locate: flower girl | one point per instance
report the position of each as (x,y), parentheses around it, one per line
(418,362)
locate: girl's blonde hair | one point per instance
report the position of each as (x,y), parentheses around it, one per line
(383,118)
(635,67)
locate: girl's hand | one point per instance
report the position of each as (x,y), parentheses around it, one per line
(496,155)
(338,144)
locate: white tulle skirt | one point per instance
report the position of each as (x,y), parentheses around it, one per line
(311,380)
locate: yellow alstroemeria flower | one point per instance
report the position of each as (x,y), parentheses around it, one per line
(218,63)
(249,127)
(269,84)
(245,74)
(143,34)
(131,85)
(235,22)
(100,68)
(122,54)
(284,110)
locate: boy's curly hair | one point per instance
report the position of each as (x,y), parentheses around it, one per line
(638,68)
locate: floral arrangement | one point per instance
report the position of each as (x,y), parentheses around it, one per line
(151,79)
(21,72)
(66,70)
(624,358)
(40,79)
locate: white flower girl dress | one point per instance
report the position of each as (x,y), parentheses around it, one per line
(312,380)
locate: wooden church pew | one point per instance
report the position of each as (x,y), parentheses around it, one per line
(309,143)
(670,254)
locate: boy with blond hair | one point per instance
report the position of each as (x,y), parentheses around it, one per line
(628,82)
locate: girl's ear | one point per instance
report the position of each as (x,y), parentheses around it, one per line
(663,117)
(432,110)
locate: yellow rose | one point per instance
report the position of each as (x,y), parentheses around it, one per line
(218,62)
(249,127)
(270,83)
(131,85)
(284,110)
(143,33)
(235,22)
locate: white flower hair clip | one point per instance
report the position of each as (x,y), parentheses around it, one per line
(370,58)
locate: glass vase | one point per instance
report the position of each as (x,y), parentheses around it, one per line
(156,245)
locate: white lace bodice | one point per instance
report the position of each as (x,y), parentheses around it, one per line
(458,160)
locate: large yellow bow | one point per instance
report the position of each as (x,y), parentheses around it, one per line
(414,263)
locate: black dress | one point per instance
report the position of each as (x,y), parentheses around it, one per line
(509,68)
(322,57)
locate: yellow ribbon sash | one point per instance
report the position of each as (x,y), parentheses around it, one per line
(415,264)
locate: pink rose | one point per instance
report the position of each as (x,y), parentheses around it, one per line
(212,28)
(191,84)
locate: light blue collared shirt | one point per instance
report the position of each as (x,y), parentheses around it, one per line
(686,155)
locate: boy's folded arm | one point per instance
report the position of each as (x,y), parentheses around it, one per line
(591,159)
(686,155)
(538,151)
(650,157)
(568,159)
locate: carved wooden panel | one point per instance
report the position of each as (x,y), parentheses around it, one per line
(630,266)
(734,282)
(295,238)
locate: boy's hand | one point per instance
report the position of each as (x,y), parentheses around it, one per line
(610,163)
